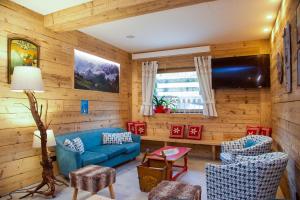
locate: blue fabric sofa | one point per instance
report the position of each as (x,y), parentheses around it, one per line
(95,151)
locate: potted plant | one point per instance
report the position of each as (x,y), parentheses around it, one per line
(170,105)
(163,104)
(159,104)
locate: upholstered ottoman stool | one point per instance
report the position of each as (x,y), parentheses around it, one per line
(93,178)
(171,190)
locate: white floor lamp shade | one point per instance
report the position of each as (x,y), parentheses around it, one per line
(27,78)
(37,139)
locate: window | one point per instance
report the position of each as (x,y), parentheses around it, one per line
(183,88)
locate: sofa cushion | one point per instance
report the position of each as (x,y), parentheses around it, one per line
(79,146)
(126,137)
(91,139)
(110,150)
(68,143)
(131,147)
(89,158)
(249,143)
(111,138)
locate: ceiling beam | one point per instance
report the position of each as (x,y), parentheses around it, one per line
(102,11)
(172,52)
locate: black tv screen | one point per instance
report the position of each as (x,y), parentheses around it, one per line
(241,72)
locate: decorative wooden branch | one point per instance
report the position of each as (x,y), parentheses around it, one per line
(48,177)
(41,110)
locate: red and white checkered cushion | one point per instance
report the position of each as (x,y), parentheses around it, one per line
(194,132)
(177,131)
(266,131)
(253,130)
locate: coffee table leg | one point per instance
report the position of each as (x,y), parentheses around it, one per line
(111,191)
(75,194)
(185,163)
(171,170)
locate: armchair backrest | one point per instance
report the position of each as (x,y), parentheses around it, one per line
(258,138)
(250,177)
(236,147)
(270,169)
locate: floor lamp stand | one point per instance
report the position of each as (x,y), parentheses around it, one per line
(48,178)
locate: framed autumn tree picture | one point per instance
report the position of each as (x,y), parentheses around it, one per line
(21,52)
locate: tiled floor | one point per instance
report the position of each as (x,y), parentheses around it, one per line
(127,186)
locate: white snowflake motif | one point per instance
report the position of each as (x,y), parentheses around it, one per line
(141,130)
(251,132)
(176,130)
(193,131)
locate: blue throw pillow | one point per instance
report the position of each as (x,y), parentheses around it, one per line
(249,143)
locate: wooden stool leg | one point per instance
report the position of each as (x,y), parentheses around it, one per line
(111,191)
(75,194)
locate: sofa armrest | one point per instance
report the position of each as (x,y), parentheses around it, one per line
(67,159)
(136,138)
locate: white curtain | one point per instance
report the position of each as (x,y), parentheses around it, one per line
(149,71)
(203,68)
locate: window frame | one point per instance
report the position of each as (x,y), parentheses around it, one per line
(181,111)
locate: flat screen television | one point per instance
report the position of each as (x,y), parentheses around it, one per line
(241,72)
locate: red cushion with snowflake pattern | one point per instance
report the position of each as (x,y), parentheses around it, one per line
(253,130)
(194,132)
(266,131)
(140,128)
(177,131)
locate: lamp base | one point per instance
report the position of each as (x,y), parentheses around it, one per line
(48,179)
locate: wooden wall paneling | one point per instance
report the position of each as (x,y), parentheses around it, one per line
(286,106)
(56,63)
(237,108)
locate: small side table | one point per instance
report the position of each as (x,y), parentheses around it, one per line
(93,178)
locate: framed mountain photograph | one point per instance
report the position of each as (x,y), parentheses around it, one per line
(94,73)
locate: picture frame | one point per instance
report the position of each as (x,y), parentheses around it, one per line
(287,57)
(84,108)
(298,67)
(21,52)
(298,22)
(279,67)
(92,72)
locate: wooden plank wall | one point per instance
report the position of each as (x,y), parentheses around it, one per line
(286,106)
(236,107)
(19,162)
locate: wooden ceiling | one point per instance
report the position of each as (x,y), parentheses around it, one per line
(101,11)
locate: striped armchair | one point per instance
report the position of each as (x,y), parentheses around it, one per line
(250,178)
(230,149)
